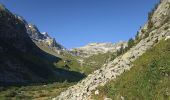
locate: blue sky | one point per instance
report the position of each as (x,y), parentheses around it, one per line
(75,23)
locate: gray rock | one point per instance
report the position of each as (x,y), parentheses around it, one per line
(107,98)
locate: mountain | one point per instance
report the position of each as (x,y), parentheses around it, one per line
(44,38)
(141,72)
(92,56)
(97,48)
(137,69)
(21,61)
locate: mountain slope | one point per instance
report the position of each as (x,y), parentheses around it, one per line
(156,29)
(148,79)
(92,56)
(44,39)
(21,60)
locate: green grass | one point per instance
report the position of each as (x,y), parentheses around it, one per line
(70,62)
(100,59)
(67,61)
(35,92)
(149,78)
(90,64)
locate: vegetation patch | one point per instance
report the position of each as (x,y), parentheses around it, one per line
(33,92)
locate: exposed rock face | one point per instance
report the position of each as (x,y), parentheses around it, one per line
(44,38)
(97,48)
(83,89)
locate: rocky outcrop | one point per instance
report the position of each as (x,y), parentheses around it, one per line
(44,38)
(97,48)
(111,70)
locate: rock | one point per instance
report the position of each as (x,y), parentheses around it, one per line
(44,38)
(122,98)
(96,92)
(167,37)
(107,98)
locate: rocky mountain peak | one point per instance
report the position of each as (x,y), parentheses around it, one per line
(97,48)
(34,32)
(45,34)
(43,38)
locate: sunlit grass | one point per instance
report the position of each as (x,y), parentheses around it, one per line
(149,78)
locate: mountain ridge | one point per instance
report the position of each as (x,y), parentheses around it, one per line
(97,48)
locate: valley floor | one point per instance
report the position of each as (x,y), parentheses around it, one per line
(33,92)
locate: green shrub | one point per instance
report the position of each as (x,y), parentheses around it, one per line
(137,35)
(130,43)
(166,28)
(11,94)
(146,35)
(42,95)
(150,15)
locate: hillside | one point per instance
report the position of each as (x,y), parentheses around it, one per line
(153,32)
(21,60)
(44,39)
(92,56)
(148,79)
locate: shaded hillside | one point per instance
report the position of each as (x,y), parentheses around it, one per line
(21,60)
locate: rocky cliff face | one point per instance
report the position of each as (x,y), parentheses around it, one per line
(97,48)
(156,29)
(44,38)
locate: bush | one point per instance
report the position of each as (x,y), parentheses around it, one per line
(150,24)
(146,35)
(137,35)
(42,95)
(131,43)
(166,28)
(11,94)
(150,15)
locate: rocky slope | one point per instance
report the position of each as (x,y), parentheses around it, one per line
(97,48)
(156,29)
(148,79)
(44,38)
